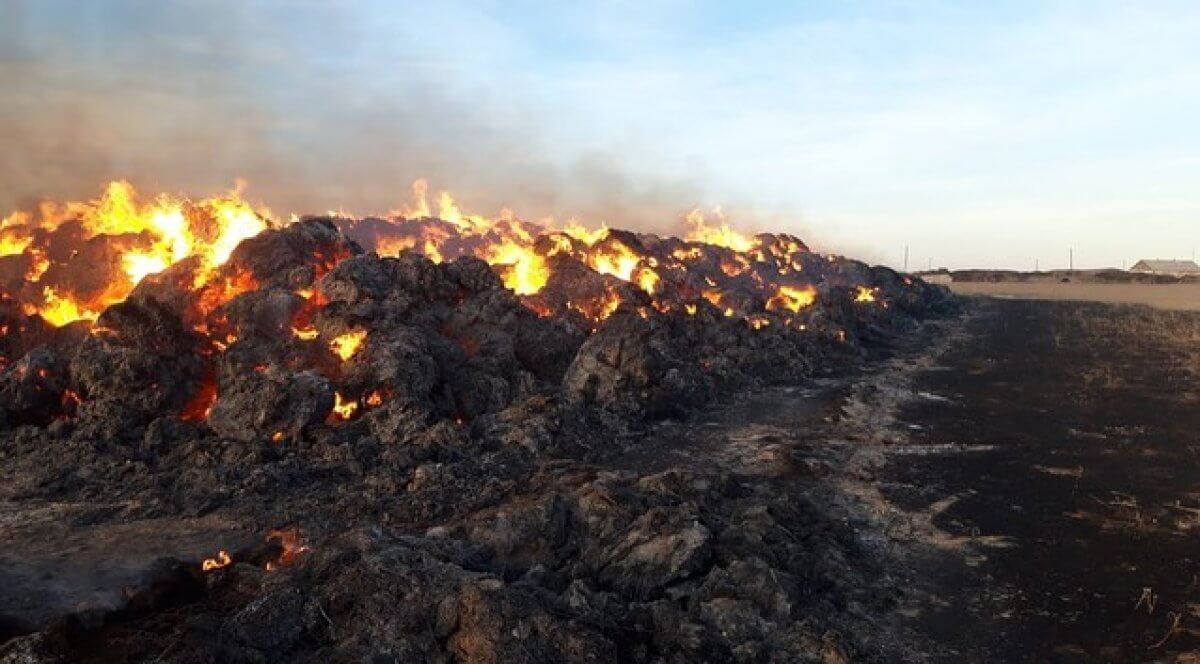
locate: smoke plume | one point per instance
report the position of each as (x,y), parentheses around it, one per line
(189,97)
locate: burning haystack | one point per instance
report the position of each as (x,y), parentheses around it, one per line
(430,400)
(118,311)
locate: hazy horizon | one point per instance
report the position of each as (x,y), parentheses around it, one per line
(977,136)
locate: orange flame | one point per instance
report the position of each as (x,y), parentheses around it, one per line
(792,298)
(201,403)
(291,548)
(59,311)
(343,410)
(721,236)
(222,560)
(527,273)
(864,294)
(153,235)
(346,345)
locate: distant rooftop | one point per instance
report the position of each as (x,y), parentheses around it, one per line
(1166,266)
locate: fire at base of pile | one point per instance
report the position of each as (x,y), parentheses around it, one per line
(299,327)
(440,433)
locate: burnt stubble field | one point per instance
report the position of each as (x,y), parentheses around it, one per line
(1066,482)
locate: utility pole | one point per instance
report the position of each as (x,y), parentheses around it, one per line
(906,258)
(1071,259)
(1037,267)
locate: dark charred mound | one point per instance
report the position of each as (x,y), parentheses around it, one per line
(424,467)
(586,565)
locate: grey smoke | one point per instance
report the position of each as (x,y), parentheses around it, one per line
(187,97)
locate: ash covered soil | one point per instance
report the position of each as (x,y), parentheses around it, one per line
(327,455)
(1041,479)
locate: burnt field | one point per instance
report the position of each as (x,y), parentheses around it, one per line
(1050,476)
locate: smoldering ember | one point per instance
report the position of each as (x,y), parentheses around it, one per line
(414,436)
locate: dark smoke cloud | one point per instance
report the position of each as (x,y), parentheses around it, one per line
(186,97)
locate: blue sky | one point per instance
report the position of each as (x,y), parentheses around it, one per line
(979,135)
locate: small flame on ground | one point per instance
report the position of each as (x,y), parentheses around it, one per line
(343,409)
(864,294)
(222,560)
(758,322)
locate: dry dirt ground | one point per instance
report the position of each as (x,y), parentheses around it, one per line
(1181,297)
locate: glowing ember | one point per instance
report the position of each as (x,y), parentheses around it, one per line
(346,345)
(222,560)
(792,298)
(216,293)
(201,403)
(70,399)
(291,547)
(306,334)
(864,294)
(343,409)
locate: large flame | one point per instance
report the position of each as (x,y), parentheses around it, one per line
(59,311)
(722,235)
(68,262)
(527,271)
(144,239)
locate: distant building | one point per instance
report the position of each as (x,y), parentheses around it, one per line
(1172,267)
